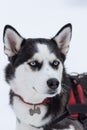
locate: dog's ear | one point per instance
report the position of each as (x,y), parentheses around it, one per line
(12,41)
(63,38)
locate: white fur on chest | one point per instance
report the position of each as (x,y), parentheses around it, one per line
(70,128)
(21,126)
(22,113)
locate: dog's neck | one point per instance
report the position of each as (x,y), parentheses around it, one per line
(29,103)
(35,109)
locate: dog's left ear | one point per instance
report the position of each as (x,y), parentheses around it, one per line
(63,38)
(12,41)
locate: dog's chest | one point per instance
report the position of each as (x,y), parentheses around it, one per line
(30,114)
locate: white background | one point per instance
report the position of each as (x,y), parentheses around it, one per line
(42,18)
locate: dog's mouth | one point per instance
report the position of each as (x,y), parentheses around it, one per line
(50,93)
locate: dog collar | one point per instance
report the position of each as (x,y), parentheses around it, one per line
(28,103)
(35,108)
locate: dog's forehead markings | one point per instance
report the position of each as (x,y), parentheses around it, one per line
(42,48)
(44,53)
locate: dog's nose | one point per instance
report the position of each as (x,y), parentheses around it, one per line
(53,83)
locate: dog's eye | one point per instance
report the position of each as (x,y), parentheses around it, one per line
(33,63)
(55,64)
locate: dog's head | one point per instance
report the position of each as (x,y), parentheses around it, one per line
(36,65)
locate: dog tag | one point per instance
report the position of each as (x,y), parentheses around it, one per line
(35,110)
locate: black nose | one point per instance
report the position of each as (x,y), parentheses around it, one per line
(53,83)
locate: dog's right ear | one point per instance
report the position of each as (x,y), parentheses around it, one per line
(12,41)
(63,38)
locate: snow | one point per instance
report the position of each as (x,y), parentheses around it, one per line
(42,19)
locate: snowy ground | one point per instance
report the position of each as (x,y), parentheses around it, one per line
(42,19)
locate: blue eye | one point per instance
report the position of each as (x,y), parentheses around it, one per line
(55,63)
(33,63)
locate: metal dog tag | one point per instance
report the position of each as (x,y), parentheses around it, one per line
(35,110)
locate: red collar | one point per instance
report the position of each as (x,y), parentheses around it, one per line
(28,103)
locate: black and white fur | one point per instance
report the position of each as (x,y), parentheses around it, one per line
(32,63)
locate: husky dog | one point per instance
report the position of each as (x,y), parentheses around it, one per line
(39,83)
